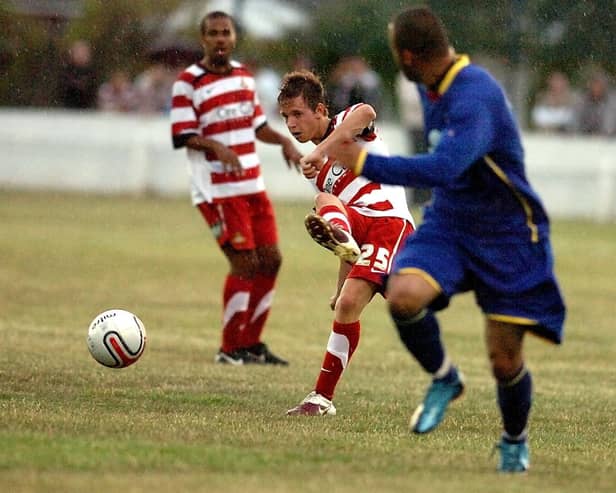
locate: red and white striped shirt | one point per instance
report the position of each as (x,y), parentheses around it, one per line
(224,108)
(365,196)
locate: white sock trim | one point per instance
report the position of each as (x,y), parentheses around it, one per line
(444,369)
(340,216)
(339,346)
(522,437)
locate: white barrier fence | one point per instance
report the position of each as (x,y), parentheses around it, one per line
(108,153)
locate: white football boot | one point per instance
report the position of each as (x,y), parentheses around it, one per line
(313,405)
(333,238)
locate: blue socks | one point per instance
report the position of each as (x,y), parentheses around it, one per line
(514,400)
(422,337)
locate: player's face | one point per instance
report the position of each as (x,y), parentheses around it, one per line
(218,40)
(411,72)
(304,123)
(403,60)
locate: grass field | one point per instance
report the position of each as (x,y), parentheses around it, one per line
(177,422)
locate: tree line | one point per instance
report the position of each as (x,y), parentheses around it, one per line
(541,35)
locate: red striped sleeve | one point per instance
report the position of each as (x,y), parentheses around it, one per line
(179,127)
(346,112)
(242,70)
(181,101)
(187,76)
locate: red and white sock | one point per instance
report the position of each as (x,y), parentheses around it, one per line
(236,299)
(335,217)
(341,345)
(261,297)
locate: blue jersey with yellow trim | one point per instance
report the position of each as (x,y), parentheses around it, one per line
(476,161)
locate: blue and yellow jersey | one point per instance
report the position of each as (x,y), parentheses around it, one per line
(476,161)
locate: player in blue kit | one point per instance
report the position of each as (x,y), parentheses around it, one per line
(485,231)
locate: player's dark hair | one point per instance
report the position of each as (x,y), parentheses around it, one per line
(216,14)
(302,83)
(421,32)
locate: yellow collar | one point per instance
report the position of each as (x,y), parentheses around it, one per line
(461,62)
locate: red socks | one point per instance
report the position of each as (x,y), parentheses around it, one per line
(335,217)
(261,297)
(236,296)
(247,304)
(340,348)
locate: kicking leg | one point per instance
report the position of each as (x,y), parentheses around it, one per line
(330,227)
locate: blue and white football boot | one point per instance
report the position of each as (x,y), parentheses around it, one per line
(441,392)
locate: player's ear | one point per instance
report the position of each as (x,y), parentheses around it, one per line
(321,109)
(406,57)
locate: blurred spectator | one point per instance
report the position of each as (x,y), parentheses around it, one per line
(267,81)
(596,112)
(411,117)
(78,79)
(117,94)
(411,113)
(353,81)
(303,62)
(153,88)
(554,109)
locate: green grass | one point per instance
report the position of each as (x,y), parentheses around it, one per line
(177,422)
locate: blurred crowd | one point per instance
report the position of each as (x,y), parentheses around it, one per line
(561,108)
(350,81)
(558,108)
(148,92)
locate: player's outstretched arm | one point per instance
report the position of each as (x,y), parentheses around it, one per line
(291,155)
(351,155)
(354,124)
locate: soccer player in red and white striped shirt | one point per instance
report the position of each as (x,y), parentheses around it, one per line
(362,222)
(216,115)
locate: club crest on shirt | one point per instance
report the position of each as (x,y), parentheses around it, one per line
(434,137)
(333,173)
(245,108)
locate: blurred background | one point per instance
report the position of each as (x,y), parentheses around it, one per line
(95,61)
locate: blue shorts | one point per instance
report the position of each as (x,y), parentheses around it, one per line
(512,278)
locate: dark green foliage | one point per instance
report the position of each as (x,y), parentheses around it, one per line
(567,35)
(34,47)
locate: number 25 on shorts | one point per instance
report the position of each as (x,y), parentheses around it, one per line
(378,258)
